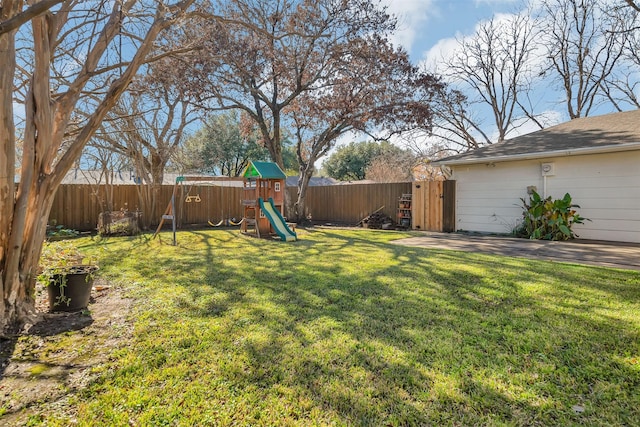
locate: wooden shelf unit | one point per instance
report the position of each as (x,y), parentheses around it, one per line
(404,211)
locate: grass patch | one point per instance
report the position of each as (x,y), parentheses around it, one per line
(344,328)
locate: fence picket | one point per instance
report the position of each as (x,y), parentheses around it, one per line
(78,206)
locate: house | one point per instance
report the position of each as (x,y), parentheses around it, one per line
(128,177)
(594,159)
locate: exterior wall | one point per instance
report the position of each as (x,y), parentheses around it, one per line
(606,186)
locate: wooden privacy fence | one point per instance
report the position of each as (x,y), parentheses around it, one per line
(433,205)
(78,206)
(348,204)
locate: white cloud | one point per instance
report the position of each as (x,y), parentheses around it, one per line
(412,18)
(445,49)
(439,53)
(495,3)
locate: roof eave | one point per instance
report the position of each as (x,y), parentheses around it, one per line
(631,146)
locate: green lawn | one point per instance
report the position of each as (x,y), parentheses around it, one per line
(344,328)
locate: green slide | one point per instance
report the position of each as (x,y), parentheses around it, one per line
(277,221)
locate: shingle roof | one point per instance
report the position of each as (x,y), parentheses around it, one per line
(265,170)
(606,133)
(315,181)
(95,177)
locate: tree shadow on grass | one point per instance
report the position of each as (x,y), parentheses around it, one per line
(31,377)
(431,337)
(484,322)
(7,346)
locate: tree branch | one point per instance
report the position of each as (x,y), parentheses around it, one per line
(37,9)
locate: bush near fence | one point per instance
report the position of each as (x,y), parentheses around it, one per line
(78,206)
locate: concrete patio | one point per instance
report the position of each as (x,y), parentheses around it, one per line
(590,252)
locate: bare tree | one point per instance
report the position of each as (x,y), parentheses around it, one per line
(584,44)
(303,67)
(383,100)
(496,67)
(633,4)
(397,167)
(622,86)
(456,126)
(14,18)
(66,57)
(287,46)
(148,126)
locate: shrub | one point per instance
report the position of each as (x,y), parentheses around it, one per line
(59,232)
(547,219)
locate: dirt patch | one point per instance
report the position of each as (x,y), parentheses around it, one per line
(41,369)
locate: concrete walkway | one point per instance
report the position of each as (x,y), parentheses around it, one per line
(590,252)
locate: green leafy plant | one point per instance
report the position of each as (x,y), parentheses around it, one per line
(548,219)
(57,261)
(59,232)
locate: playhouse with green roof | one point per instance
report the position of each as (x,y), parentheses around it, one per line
(263,201)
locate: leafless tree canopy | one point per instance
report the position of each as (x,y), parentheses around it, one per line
(587,51)
(633,5)
(622,86)
(497,65)
(584,45)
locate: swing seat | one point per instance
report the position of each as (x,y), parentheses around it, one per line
(216,225)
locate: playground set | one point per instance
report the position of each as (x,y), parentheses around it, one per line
(263,202)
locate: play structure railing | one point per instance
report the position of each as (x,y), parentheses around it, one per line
(249,196)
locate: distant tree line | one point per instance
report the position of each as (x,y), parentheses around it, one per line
(380,162)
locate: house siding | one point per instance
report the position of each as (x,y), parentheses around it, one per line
(606,186)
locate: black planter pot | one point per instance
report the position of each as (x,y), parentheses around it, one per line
(70,292)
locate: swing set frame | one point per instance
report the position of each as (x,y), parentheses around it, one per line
(170,212)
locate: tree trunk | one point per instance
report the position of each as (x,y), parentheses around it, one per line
(7,153)
(274,147)
(23,217)
(299,208)
(28,231)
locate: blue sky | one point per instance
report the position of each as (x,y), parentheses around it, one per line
(429,27)
(427,23)
(429,30)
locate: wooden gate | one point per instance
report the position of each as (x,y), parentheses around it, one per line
(433,205)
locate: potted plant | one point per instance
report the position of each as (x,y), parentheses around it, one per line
(67,275)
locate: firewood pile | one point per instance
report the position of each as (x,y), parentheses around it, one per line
(378,220)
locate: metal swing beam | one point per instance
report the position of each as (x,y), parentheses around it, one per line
(170,211)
